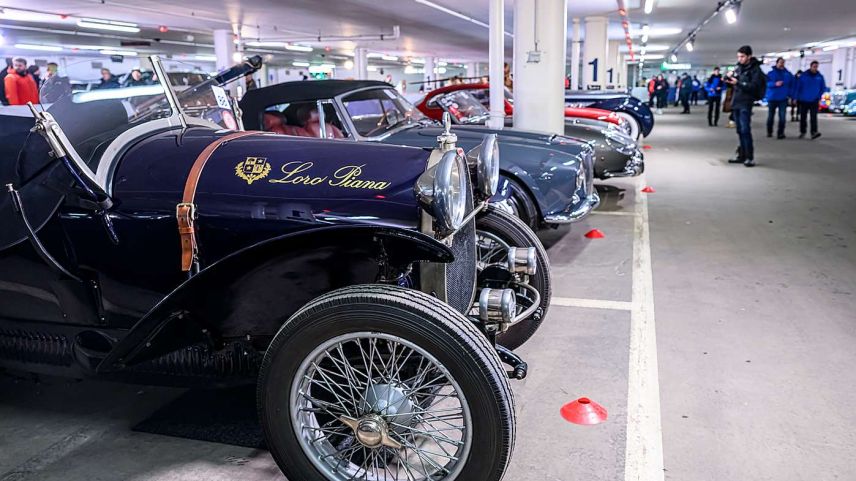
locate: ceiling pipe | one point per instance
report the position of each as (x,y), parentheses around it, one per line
(396,33)
(722,5)
(77,33)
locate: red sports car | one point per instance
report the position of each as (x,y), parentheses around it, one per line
(480,91)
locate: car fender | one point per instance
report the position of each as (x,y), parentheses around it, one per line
(250,293)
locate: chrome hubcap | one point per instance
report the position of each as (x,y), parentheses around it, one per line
(371,406)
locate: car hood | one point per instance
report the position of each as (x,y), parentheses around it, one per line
(468,134)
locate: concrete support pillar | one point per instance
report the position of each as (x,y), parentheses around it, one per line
(224,48)
(850,68)
(540,45)
(429,73)
(472,69)
(839,67)
(575,55)
(361,63)
(612,58)
(594,53)
(496,68)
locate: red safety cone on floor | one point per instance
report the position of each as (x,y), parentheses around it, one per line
(646,147)
(595,234)
(648,189)
(584,411)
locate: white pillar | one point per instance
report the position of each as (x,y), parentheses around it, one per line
(839,66)
(611,64)
(224,48)
(849,67)
(496,48)
(540,45)
(575,55)
(594,52)
(472,69)
(429,74)
(361,63)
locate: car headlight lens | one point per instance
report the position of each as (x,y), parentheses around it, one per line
(483,161)
(441,191)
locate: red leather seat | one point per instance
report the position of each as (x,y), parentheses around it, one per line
(273,122)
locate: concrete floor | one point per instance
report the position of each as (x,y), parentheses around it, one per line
(753,284)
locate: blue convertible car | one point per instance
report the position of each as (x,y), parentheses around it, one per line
(143,242)
(550,177)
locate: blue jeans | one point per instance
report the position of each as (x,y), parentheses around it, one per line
(782,107)
(743,121)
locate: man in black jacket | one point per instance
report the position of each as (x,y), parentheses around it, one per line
(749,85)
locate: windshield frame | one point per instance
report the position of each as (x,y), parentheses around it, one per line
(339,102)
(469,120)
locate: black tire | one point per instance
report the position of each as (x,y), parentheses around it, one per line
(523,205)
(517,234)
(415,317)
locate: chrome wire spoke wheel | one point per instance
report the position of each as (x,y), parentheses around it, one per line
(373,406)
(490,249)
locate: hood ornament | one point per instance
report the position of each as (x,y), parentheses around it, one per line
(447,140)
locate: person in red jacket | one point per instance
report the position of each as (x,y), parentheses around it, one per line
(19,84)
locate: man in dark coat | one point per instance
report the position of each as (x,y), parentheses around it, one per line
(749,85)
(108,80)
(713,87)
(685,90)
(809,88)
(3,73)
(780,84)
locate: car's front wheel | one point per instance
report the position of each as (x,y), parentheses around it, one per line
(496,231)
(380,382)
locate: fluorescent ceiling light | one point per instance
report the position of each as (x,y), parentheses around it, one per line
(651,47)
(420,61)
(454,13)
(442,64)
(654,56)
(410,70)
(27,16)
(349,64)
(111,25)
(658,32)
(300,64)
(649,6)
(266,44)
(125,53)
(371,68)
(731,14)
(830,48)
(46,48)
(324,68)
(298,48)
(206,58)
(390,58)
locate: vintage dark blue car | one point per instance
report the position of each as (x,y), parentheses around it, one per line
(143,242)
(634,110)
(550,179)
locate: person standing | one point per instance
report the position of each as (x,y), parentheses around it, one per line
(780,84)
(3,73)
(136,79)
(749,84)
(36,73)
(652,89)
(713,87)
(793,95)
(662,91)
(19,84)
(685,91)
(810,87)
(696,90)
(108,80)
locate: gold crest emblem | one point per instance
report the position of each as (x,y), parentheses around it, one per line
(253,169)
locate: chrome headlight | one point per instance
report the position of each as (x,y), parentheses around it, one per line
(483,161)
(441,191)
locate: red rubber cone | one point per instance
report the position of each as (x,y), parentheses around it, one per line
(595,234)
(648,190)
(646,147)
(584,411)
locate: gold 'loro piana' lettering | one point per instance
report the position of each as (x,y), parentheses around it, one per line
(297,173)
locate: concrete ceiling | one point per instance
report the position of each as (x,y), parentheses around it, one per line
(769,25)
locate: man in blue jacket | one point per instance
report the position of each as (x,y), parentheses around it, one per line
(780,83)
(714,87)
(809,89)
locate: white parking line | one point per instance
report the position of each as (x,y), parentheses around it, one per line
(591,303)
(622,213)
(644,449)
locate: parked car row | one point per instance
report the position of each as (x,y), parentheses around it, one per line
(369,270)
